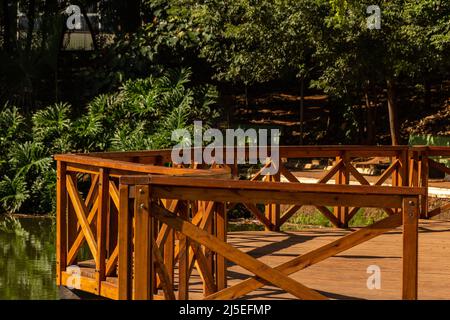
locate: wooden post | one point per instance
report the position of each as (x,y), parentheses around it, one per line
(103,207)
(61,221)
(125,248)
(143,265)
(183,258)
(410,248)
(72,220)
(342,177)
(275,208)
(424,183)
(221,233)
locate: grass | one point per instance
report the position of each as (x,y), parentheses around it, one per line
(307,218)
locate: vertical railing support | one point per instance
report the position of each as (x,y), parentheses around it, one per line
(125,246)
(143,233)
(61,221)
(410,248)
(183,258)
(221,233)
(103,208)
(424,174)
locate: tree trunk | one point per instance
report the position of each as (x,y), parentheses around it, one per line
(427,95)
(392,109)
(31,19)
(302,107)
(370,117)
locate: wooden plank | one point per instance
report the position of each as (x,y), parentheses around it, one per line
(288,175)
(357,175)
(289,213)
(114,193)
(387,173)
(221,234)
(425,171)
(103,210)
(80,210)
(183,256)
(166,281)
(211,184)
(267,196)
(244,260)
(315,256)
(143,261)
(112,261)
(259,215)
(329,215)
(124,244)
(201,264)
(61,221)
(79,241)
(439,210)
(328,175)
(410,248)
(72,222)
(438,166)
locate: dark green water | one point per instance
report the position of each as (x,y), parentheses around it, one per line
(27,259)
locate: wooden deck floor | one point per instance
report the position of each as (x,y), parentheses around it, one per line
(345,275)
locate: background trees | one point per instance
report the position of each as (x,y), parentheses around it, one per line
(377,81)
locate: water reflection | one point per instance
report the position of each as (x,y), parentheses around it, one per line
(27,258)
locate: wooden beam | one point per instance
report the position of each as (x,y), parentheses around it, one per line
(143,261)
(125,246)
(410,248)
(102,214)
(244,260)
(61,221)
(80,210)
(315,256)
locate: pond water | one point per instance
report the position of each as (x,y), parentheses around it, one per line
(27,258)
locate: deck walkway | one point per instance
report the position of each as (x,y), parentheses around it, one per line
(345,275)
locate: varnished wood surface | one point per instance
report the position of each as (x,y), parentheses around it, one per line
(345,275)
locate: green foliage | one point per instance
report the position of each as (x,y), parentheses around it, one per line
(141,115)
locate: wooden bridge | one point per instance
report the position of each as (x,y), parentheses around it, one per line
(133,225)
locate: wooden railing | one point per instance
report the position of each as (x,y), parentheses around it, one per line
(88,206)
(421,159)
(342,171)
(99,220)
(195,209)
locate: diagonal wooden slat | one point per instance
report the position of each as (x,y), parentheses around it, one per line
(80,210)
(358,176)
(387,173)
(80,237)
(315,256)
(288,175)
(202,268)
(259,174)
(438,166)
(259,215)
(330,216)
(328,175)
(246,261)
(114,193)
(112,262)
(289,213)
(163,274)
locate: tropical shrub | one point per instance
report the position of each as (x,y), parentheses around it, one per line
(141,115)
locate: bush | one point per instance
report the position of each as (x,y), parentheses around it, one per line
(140,116)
